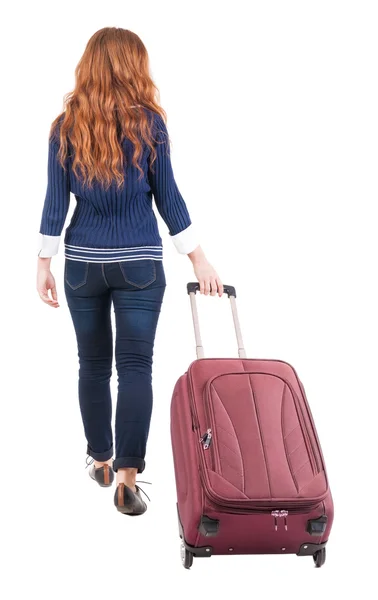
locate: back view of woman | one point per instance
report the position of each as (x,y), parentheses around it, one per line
(110,148)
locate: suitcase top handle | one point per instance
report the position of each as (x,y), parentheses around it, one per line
(194,286)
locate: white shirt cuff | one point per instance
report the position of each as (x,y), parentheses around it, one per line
(185,241)
(48,245)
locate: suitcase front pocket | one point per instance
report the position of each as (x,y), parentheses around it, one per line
(260,447)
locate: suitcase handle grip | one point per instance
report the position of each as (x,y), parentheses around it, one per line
(194,286)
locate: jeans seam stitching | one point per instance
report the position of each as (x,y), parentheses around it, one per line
(103,274)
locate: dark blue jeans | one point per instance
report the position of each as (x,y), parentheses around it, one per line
(136,289)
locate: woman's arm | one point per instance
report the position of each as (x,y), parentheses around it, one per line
(54,214)
(173,210)
(56,203)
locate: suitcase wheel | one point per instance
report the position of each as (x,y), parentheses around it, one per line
(319,557)
(186,557)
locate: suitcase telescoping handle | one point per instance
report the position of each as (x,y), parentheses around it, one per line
(193,288)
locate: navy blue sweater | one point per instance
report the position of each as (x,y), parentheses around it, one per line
(116,225)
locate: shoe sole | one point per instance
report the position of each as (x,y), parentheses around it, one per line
(130,514)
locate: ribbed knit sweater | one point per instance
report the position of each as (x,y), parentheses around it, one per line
(116,225)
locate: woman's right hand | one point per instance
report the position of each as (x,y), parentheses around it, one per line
(208,278)
(46,283)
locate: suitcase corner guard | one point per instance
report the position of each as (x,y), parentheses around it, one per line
(309,549)
(317,526)
(198,551)
(208,527)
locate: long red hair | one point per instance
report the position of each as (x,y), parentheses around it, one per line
(112,85)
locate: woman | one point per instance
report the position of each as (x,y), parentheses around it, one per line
(110,148)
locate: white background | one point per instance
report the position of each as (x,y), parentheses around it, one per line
(272,110)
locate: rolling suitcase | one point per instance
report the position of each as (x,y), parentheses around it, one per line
(250,474)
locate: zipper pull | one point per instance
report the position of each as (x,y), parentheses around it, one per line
(285,514)
(278,514)
(275,514)
(206,439)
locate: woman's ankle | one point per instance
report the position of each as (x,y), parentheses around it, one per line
(127,476)
(101,463)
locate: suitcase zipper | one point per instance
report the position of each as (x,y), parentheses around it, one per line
(281,508)
(193,411)
(205,440)
(278,514)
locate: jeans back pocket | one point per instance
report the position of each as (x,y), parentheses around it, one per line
(76,273)
(139,273)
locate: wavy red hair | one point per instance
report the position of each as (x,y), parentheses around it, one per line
(112,85)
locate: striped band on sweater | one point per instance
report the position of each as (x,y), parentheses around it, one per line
(113,255)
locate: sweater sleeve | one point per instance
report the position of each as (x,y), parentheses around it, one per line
(56,203)
(169,202)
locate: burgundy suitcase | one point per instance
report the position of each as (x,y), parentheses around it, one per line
(250,474)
